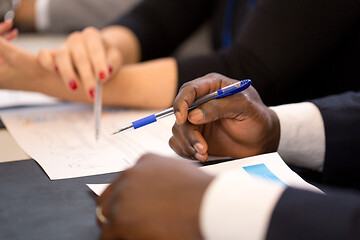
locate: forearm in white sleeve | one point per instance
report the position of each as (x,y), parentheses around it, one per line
(302,137)
(42,17)
(236,206)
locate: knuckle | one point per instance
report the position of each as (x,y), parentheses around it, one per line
(61,51)
(214,75)
(143,158)
(186,85)
(74,36)
(174,129)
(43,52)
(146,156)
(90,30)
(44,55)
(172,141)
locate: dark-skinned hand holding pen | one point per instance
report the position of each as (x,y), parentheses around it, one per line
(237,126)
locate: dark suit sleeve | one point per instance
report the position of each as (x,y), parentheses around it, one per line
(282,43)
(341,116)
(277,45)
(301,214)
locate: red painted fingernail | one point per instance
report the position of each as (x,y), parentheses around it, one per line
(102,76)
(92,93)
(73,85)
(110,69)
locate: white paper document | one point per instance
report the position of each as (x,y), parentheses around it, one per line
(13,151)
(266,166)
(12,98)
(62,139)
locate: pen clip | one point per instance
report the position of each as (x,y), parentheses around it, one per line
(244,84)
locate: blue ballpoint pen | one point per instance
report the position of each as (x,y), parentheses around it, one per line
(223,92)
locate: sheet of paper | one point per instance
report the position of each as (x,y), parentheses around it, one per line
(62,139)
(12,98)
(266,166)
(13,150)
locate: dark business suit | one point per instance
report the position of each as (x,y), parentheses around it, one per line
(292,50)
(305,215)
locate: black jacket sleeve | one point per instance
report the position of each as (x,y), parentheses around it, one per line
(341,116)
(280,45)
(285,46)
(301,214)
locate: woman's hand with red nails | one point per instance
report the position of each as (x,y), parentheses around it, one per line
(82,60)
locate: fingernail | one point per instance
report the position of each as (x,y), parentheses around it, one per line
(73,85)
(177,117)
(110,69)
(196,115)
(102,76)
(199,147)
(200,157)
(92,93)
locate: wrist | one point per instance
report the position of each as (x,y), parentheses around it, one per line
(155,81)
(273,138)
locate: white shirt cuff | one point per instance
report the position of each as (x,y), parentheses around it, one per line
(237,206)
(42,18)
(302,137)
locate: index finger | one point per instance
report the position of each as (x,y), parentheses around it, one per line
(5,26)
(96,50)
(195,89)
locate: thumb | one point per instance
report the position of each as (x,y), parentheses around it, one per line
(229,107)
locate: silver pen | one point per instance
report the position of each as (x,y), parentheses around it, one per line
(223,92)
(97,108)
